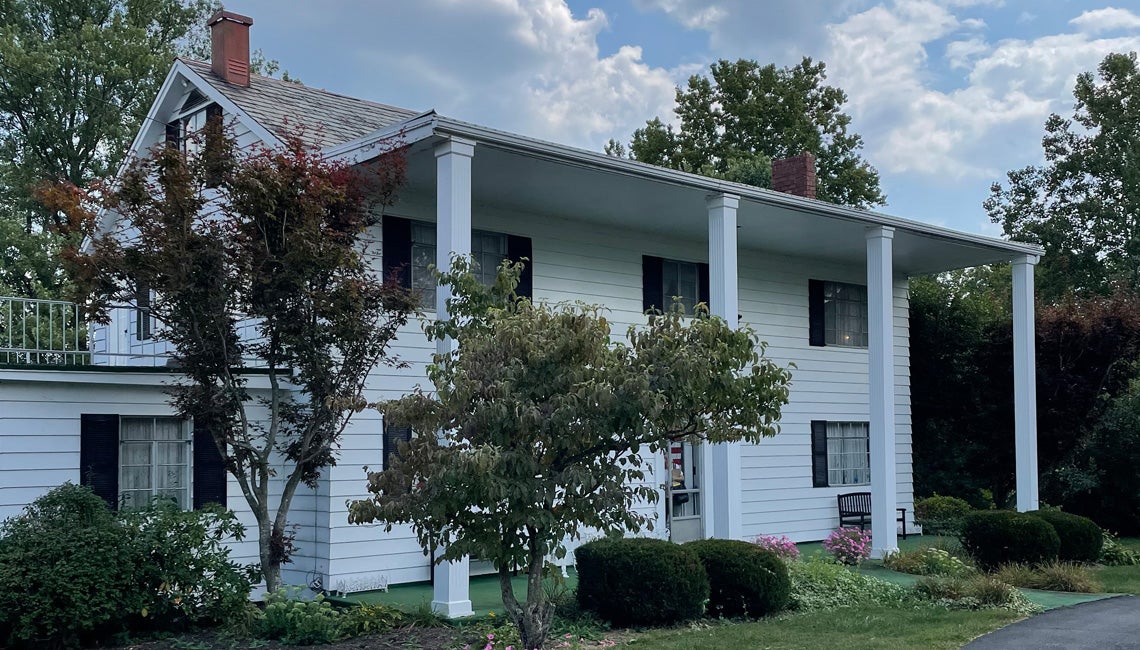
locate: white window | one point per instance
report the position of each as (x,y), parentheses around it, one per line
(845,314)
(848,453)
(191,132)
(154,460)
(680,279)
(488,250)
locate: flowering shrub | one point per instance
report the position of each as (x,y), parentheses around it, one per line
(848,545)
(784,548)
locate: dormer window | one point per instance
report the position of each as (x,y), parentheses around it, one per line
(187,131)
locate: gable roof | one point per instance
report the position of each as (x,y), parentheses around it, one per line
(328,118)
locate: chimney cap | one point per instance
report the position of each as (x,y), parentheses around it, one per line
(222,14)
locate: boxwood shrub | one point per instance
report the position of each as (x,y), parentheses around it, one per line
(744,579)
(997,537)
(939,515)
(1081,538)
(641,581)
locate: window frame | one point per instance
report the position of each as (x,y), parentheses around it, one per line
(835,429)
(186,502)
(828,309)
(416,272)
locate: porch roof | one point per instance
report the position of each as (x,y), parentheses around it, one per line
(546,179)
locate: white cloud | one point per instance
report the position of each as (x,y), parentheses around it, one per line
(983,117)
(1108,19)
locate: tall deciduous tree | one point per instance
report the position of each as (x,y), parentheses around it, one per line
(1083,204)
(76,80)
(550,427)
(734,122)
(264,274)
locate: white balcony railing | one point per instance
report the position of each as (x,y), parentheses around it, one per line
(42,332)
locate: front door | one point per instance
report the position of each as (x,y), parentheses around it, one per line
(684,494)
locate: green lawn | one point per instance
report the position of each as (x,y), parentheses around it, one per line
(1122,579)
(857,627)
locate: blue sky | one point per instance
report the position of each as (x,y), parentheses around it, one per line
(948,94)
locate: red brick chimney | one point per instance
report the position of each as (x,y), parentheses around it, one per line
(795,175)
(229,36)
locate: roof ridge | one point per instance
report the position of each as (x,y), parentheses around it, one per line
(301,86)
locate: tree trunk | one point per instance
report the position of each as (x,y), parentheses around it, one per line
(533,619)
(270,564)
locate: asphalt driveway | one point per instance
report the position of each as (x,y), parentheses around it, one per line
(1103,624)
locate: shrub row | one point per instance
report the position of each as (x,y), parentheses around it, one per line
(73,572)
(997,537)
(651,582)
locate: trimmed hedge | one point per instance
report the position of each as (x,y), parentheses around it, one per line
(744,579)
(939,515)
(1081,538)
(997,537)
(641,581)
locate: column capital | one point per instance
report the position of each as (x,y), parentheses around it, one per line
(456,146)
(1026,259)
(722,200)
(880,232)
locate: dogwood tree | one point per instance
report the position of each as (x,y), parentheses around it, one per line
(551,426)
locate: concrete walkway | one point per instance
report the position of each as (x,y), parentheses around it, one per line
(1104,625)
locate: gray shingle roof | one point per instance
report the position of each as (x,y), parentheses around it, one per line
(328,118)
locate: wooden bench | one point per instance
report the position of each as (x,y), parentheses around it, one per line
(855,508)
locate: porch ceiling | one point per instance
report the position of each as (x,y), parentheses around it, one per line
(542,185)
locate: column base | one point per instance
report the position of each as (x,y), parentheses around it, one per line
(452,609)
(878,553)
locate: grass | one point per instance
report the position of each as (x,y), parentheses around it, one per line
(879,627)
(1121,579)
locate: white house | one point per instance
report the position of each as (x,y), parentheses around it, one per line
(824,285)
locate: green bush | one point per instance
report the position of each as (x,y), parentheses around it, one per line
(940,515)
(1113,553)
(820,584)
(298,622)
(67,572)
(927,562)
(1081,539)
(997,537)
(184,567)
(744,579)
(641,581)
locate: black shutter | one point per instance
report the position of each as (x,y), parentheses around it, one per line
(99,456)
(518,248)
(143,329)
(703,285)
(213,148)
(816,335)
(393,435)
(210,477)
(174,135)
(819,453)
(397,249)
(652,284)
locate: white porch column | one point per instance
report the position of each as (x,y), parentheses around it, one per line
(1024,384)
(724,480)
(880,323)
(451,589)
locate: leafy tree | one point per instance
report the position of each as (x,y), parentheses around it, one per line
(550,426)
(1083,204)
(269,277)
(735,123)
(76,80)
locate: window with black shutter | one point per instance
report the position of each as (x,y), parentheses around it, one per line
(409,250)
(394,434)
(840,453)
(128,460)
(837,314)
(664,280)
